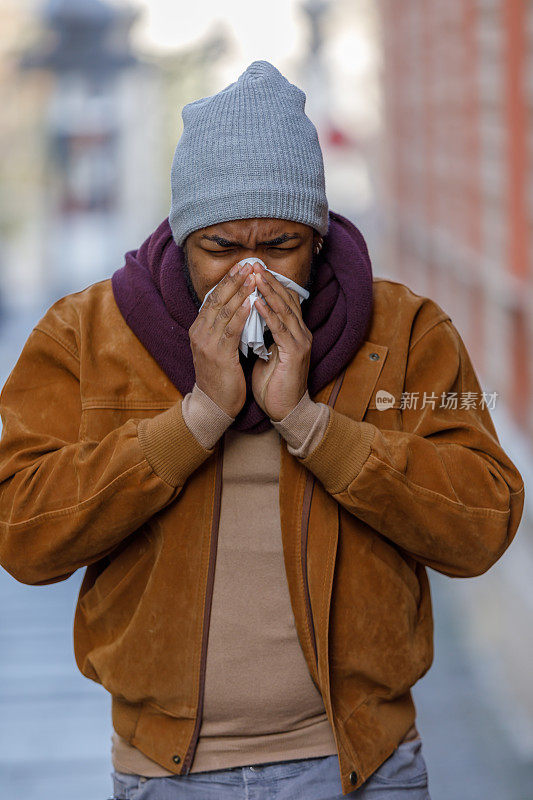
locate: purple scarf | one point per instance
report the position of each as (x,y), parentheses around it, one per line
(152,295)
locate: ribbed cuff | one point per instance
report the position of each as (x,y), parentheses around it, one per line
(170,448)
(204,418)
(304,426)
(342,451)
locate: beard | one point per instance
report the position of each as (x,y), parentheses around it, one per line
(192,291)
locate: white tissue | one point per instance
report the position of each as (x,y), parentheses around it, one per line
(254,327)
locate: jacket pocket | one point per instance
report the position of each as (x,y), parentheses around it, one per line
(120,570)
(98,419)
(402,566)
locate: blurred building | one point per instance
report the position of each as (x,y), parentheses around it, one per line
(21,143)
(100,181)
(338,72)
(457,211)
(91,127)
(457,194)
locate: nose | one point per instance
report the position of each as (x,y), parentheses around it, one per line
(253,261)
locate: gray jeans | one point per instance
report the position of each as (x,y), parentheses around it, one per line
(403,776)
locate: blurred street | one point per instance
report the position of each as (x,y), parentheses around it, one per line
(55,734)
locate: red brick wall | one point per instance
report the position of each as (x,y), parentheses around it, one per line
(457,179)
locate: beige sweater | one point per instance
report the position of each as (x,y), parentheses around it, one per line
(260,704)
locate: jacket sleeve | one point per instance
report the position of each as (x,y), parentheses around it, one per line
(442,489)
(66,502)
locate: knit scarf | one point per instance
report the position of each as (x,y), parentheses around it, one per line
(152,294)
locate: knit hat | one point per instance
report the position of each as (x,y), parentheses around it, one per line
(248,151)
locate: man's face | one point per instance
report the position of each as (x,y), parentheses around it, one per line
(285,247)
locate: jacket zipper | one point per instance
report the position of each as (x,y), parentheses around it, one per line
(308,493)
(304,531)
(187,761)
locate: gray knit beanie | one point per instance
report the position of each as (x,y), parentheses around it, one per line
(248,151)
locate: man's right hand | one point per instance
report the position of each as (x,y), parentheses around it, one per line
(215,335)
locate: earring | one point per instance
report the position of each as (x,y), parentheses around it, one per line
(318,247)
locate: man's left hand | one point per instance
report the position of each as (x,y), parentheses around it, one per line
(279,383)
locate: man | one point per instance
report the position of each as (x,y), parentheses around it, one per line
(255,531)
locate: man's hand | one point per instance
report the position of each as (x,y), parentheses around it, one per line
(280,383)
(215,335)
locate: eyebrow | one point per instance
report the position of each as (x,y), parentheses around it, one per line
(285,237)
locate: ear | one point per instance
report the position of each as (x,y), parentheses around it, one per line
(317,244)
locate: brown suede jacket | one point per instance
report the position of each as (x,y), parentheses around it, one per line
(99,470)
